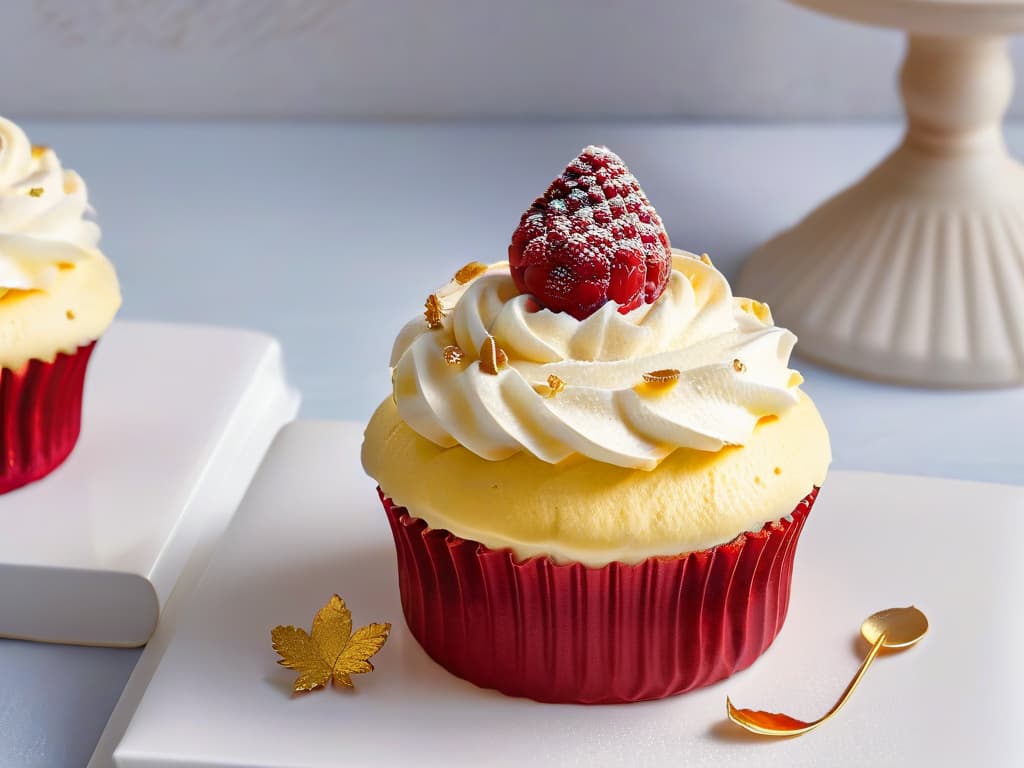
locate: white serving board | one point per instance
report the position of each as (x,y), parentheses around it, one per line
(176,419)
(311,525)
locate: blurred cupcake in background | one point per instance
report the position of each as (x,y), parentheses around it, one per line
(58,294)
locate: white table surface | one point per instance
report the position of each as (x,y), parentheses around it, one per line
(218,698)
(297,229)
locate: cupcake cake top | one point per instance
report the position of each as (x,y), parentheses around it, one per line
(595,339)
(57,291)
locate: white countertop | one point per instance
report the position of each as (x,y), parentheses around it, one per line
(329,236)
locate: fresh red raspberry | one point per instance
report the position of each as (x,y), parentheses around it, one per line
(592,238)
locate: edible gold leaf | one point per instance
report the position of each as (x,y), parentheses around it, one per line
(453,354)
(434,312)
(492,357)
(662,376)
(469,272)
(555,385)
(331,651)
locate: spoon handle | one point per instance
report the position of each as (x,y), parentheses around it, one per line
(778,724)
(875,648)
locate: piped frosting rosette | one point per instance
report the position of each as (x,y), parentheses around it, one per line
(43,214)
(697,369)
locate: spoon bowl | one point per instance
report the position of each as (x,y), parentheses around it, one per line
(901,627)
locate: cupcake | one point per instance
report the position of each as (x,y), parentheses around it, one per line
(58,294)
(596,462)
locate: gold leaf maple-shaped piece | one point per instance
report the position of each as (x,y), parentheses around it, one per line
(331,650)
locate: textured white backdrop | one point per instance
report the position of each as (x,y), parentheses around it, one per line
(443,58)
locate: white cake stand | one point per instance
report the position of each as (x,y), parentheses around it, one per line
(916,273)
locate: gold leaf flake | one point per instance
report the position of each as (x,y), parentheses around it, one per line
(35,192)
(663,376)
(472,270)
(434,313)
(331,650)
(492,357)
(70,314)
(738,365)
(555,384)
(38,150)
(453,354)
(658,382)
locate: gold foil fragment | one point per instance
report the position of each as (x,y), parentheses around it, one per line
(492,357)
(35,192)
(38,150)
(472,270)
(795,380)
(738,365)
(453,354)
(331,651)
(658,382)
(663,376)
(70,314)
(555,385)
(434,313)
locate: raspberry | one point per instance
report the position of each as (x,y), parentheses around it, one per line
(592,238)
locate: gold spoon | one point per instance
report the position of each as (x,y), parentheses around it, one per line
(892,628)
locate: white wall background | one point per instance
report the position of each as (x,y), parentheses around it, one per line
(443,58)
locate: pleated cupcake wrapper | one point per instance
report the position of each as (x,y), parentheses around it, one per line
(573,634)
(40,416)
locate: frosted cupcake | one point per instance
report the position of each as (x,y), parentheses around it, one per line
(596,461)
(58,294)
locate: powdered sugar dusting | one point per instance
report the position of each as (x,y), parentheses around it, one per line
(592,238)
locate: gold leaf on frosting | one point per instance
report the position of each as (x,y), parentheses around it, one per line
(38,150)
(434,312)
(492,357)
(555,384)
(658,382)
(35,192)
(738,365)
(331,650)
(453,354)
(472,270)
(662,376)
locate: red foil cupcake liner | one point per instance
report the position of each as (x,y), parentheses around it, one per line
(40,416)
(573,634)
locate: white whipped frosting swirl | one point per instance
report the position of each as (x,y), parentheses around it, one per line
(43,210)
(733,365)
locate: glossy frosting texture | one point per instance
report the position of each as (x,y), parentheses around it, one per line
(57,291)
(732,365)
